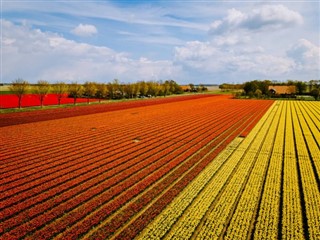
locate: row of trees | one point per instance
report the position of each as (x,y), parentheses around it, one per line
(259,89)
(111,90)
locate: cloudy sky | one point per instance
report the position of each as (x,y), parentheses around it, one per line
(188,41)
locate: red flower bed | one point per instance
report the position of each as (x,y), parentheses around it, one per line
(35,116)
(32,100)
(62,178)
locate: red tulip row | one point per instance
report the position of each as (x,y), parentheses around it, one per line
(116,167)
(96,218)
(169,191)
(76,141)
(35,116)
(93,145)
(192,136)
(71,139)
(82,190)
(108,154)
(54,162)
(15,207)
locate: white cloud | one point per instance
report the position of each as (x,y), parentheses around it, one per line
(33,54)
(264,18)
(306,55)
(85,30)
(210,58)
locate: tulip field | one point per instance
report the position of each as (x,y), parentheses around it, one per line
(264,186)
(192,167)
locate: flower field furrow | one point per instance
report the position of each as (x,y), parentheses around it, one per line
(73,142)
(100,143)
(292,222)
(239,226)
(78,212)
(143,219)
(312,138)
(163,221)
(127,140)
(216,212)
(53,114)
(163,169)
(280,208)
(312,123)
(109,137)
(126,195)
(268,219)
(17,189)
(122,167)
(311,191)
(121,128)
(58,199)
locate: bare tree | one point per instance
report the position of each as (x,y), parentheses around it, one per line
(19,87)
(60,89)
(41,89)
(76,91)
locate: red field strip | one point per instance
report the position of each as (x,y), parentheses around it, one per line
(32,170)
(29,117)
(139,223)
(33,190)
(31,100)
(55,195)
(126,214)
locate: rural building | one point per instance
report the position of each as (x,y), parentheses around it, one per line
(283,89)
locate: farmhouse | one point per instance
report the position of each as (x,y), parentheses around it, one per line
(282,90)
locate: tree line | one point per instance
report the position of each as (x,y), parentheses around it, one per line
(90,89)
(260,88)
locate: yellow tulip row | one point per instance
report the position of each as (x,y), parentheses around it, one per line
(311,129)
(240,226)
(304,140)
(217,172)
(163,222)
(214,223)
(253,187)
(268,218)
(292,224)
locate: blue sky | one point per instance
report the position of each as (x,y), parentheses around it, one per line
(208,42)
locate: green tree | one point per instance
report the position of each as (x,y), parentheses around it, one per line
(143,88)
(102,91)
(192,88)
(75,91)
(19,87)
(315,93)
(42,89)
(111,90)
(258,93)
(129,90)
(175,88)
(60,89)
(166,88)
(90,90)
(301,87)
(250,88)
